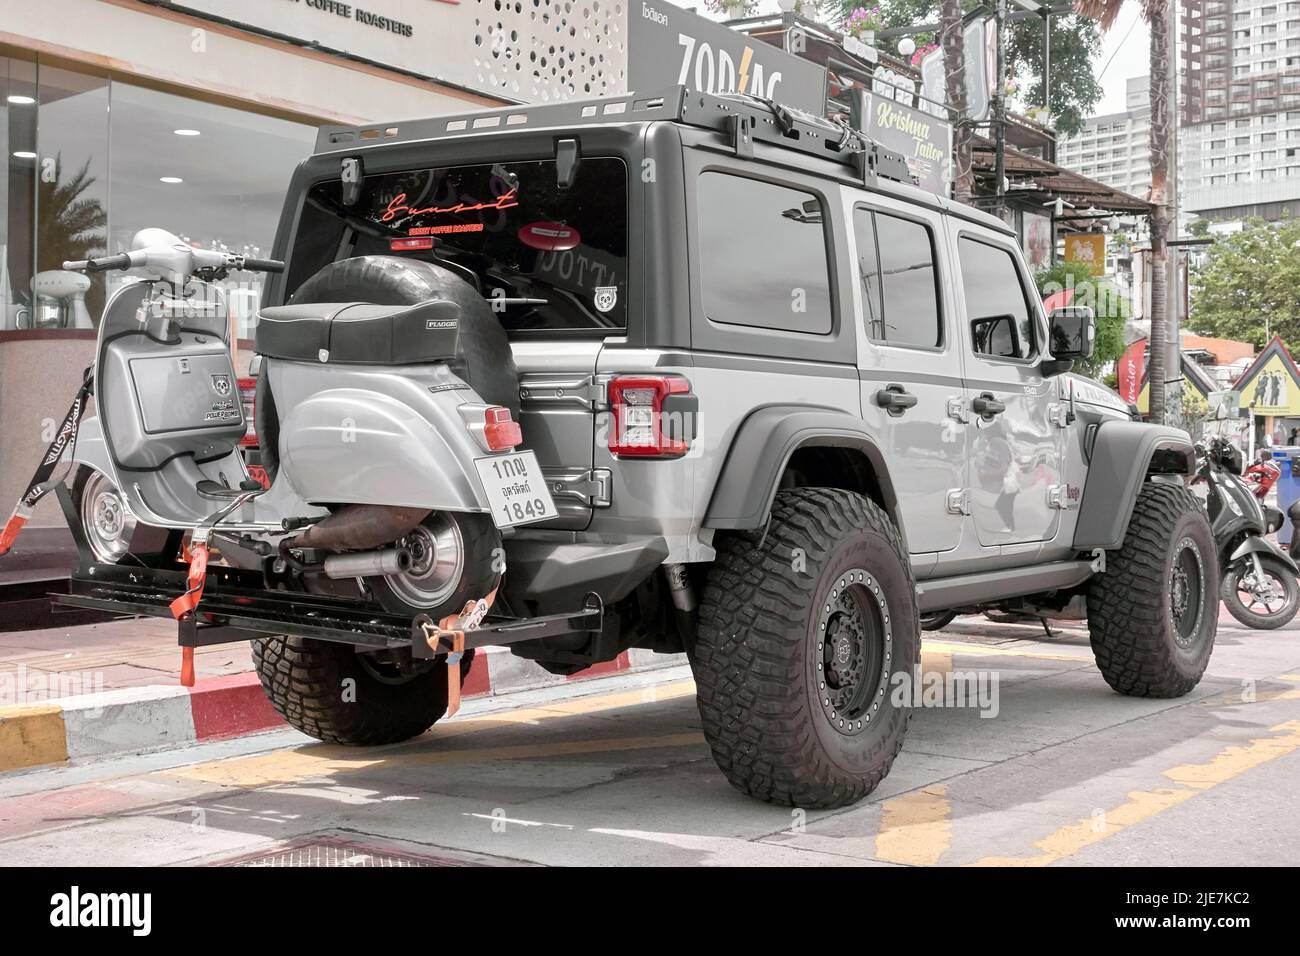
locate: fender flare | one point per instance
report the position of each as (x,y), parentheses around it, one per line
(1123,454)
(762,447)
(1255,543)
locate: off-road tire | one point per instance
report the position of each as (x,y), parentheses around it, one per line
(308,684)
(758,657)
(937,620)
(1130,615)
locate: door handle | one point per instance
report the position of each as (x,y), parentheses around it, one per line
(895,399)
(986,406)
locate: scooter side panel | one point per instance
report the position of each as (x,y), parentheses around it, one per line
(91,450)
(365,435)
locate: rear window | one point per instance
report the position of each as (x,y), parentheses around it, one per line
(555,259)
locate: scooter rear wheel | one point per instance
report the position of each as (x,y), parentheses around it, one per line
(455,558)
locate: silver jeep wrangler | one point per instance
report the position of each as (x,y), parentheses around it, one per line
(786,404)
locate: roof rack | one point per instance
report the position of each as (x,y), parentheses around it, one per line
(742,117)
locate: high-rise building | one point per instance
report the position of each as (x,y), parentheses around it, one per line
(1239,108)
(1115,149)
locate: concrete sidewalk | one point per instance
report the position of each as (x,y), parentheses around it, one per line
(95,690)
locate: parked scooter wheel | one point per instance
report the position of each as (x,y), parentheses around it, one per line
(1266,602)
(105,520)
(455,558)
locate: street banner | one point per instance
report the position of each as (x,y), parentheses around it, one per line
(1130,372)
(1087,249)
(980,40)
(924,140)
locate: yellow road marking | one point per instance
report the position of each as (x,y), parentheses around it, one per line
(31,735)
(1142,805)
(915,828)
(935,661)
(318,760)
(982,650)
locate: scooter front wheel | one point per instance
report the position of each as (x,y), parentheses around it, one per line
(1265,599)
(455,558)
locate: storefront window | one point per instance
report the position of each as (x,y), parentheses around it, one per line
(71,197)
(213,175)
(89,162)
(17,190)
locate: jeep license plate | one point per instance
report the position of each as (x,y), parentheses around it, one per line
(515,489)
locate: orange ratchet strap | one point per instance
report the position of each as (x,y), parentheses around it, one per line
(188,601)
(450,631)
(197,555)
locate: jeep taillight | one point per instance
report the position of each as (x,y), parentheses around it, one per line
(500,431)
(647,421)
(248,396)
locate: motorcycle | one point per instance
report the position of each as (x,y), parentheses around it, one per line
(1262,475)
(1260,585)
(391,484)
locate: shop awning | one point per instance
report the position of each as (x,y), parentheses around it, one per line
(1036,179)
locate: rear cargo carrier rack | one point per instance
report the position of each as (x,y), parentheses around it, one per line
(236,607)
(741,117)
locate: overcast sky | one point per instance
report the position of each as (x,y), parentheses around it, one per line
(1125,46)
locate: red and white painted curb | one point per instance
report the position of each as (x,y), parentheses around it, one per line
(163,717)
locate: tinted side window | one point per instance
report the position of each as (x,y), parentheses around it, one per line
(899,281)
(762,255)
(1000,318)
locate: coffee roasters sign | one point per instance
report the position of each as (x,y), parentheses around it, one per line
(668,46)
(378,30)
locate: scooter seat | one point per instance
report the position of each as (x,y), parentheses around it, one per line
(360,333)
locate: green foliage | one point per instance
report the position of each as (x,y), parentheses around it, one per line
(1106,301)
(1076,45)
(1247,287)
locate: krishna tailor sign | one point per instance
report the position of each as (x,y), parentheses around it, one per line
(924,140)
(668,46)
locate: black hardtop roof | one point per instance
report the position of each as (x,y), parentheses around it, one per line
(741,117)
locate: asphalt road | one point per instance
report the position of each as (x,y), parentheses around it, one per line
(1061,771)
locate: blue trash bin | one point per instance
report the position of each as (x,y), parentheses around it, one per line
(1288,486)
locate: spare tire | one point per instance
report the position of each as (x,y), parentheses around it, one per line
(483,356)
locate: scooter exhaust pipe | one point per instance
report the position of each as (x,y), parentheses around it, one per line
(360,528)
(368,564)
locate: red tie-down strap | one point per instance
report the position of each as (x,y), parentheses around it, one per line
(187,602)
(10,533)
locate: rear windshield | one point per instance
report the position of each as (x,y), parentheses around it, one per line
(555,259)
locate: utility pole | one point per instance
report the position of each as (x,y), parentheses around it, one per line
(1174,312)
(1000,114)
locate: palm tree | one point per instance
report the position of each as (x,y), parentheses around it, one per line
(953,41)
(1156,13)
(68,224)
